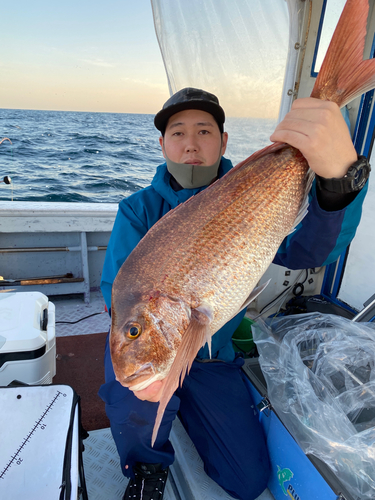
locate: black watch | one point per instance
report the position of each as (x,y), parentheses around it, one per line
(353,180)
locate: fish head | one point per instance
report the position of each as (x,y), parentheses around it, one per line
(146,332)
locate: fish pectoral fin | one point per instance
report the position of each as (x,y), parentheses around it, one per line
(193,339)
(207,315)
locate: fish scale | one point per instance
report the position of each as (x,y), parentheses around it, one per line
(233,272)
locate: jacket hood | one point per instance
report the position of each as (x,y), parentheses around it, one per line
(161,184)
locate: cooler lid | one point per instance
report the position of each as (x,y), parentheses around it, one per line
(21,316)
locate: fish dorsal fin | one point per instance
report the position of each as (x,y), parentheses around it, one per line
(196,335)
(271,148)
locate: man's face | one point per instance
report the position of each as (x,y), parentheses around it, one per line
(193,137)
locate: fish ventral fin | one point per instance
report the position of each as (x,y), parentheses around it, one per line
(344,75)
(196,335)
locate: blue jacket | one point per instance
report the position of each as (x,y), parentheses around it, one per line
(318,240)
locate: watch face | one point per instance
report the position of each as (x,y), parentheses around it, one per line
(358,174)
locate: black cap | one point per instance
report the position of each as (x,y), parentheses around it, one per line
(190,98)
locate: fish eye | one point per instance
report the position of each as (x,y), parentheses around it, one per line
(133,330)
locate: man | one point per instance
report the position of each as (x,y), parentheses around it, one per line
(214,404)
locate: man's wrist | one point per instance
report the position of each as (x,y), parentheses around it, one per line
(353,181)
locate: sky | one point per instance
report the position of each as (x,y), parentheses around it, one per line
(81,55)
(90,55)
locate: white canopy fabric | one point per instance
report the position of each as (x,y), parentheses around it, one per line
(238,50)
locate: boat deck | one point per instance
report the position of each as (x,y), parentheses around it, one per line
(187,479)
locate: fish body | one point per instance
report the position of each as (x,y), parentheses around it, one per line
(207,255)
(196,267)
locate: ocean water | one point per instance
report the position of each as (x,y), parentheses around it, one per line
(94,157)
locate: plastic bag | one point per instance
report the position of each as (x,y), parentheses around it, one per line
(320,374)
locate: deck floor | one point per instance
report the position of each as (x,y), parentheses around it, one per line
(186,481)
(74,309)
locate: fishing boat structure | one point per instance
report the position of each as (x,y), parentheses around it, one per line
(58,249)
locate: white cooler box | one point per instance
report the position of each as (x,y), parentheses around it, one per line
(27,338)
(41,444)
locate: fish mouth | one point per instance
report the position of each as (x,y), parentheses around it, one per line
(139,377)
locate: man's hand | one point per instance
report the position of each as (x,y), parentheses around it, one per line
(318,129)
(152,393)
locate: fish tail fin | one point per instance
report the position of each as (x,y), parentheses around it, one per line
(196,335)
(344,75)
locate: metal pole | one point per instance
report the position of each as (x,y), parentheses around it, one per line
(367,312)
(51,249)
(85,267)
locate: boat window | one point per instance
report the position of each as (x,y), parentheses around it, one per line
(331,12)
(358,280)
(237,50)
